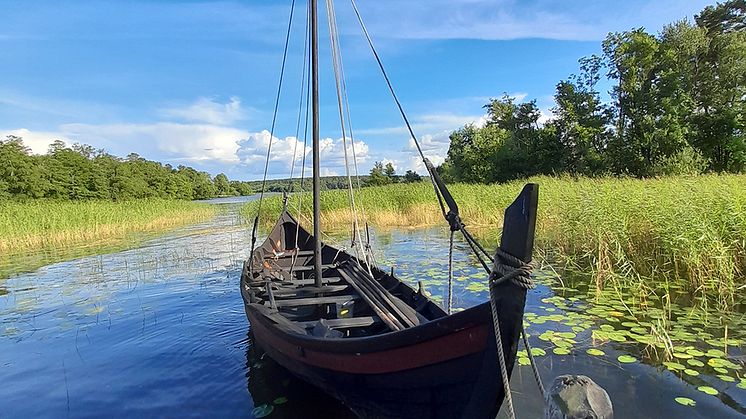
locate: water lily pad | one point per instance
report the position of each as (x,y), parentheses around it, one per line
(561,351)
(629,324)
(742,384)
(707,390)
(695,352)
(607,327)
(691,372)
(721,370)
(595,352)
(681,355)
(674,366)
(524,361)
(695,362)
(566,335)
(685,401)
(262,411)
(727,378)
(626,359)
(538,352)
(280,400)
(715,353)
(617,337)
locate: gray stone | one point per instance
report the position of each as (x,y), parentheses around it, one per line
(577,397)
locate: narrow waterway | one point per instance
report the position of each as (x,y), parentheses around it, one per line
(160,330)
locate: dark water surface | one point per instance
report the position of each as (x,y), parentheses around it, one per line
(160,331)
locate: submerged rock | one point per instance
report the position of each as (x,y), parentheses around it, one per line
(577,397)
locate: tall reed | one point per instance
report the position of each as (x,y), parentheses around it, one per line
(690,231)
(36,225)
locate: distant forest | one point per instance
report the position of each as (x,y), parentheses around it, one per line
(83,172)
(677,106)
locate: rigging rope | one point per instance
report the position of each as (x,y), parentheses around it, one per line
(337,58)
(277,104)
(272,131)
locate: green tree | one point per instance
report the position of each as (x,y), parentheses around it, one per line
(390,172)
(20,176)
(581,123)
(378,175)
(411,177)
(223,186)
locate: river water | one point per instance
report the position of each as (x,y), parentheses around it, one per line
(159,330)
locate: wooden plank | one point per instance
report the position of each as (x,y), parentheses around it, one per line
(279,319)
(306,268)
(344,323)
(285,255)
(326,289)
(315,300)
(326,280)
(371,300)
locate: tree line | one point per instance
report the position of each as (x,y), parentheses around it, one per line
(82,172)
(677,106)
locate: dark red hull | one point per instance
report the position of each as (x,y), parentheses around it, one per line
(443,369)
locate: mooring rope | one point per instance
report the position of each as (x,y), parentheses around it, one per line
(534,369)
(510,268)
(450,274)
(500,354)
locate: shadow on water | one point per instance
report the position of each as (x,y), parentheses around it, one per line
(274,389)
(160,330)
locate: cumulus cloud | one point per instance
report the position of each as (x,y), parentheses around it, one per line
(172,141)
(252,152)
(209,111)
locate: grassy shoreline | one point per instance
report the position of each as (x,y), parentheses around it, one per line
(684,232)
(77,228)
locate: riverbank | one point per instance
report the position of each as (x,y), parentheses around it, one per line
(63,229)
(682,233)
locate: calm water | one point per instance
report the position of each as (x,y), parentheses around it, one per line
(160,331)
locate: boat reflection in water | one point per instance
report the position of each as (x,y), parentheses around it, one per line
(274,389)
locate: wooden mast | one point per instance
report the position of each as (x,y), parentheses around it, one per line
(315,145)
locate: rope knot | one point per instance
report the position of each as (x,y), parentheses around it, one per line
(510,268)
(454,221)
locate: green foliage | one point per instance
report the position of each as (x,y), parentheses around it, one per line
(80,172)
(411,176)
(677,107)
(379,175)
(688,231)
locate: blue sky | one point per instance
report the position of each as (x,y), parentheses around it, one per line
(193,82)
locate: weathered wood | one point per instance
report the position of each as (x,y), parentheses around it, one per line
(308,291)
(289,254)
(344,323)
(315,300)
(577,397)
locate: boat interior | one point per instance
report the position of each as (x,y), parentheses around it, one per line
(352,300)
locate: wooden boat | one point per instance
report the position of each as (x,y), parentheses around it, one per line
(360,334)
(442,366)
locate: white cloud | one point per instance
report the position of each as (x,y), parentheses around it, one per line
(252,152)
(162,140)
(208,111)
(37,141)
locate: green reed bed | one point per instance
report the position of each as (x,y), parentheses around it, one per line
(41,225)
(681,233)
